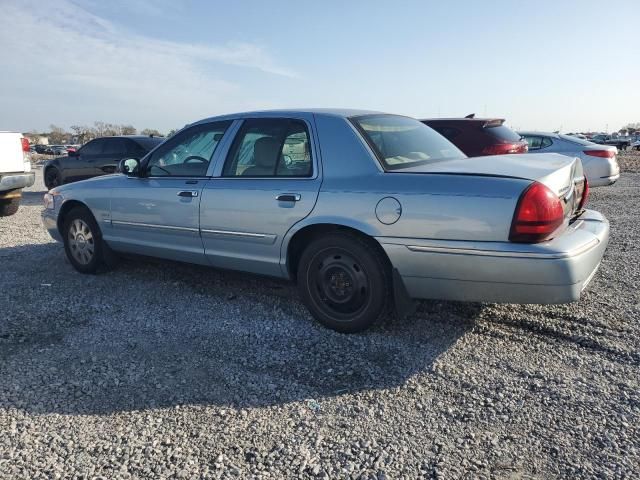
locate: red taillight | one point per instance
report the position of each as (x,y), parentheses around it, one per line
(538,214)
(25,144)
(503,148)
(601,153)
(585,194)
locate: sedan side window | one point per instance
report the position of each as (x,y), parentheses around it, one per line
(270,147)
(115,147)
(94,147)
(535,143)
(546,142)
(188,153)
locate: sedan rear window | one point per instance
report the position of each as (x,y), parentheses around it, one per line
(402,142)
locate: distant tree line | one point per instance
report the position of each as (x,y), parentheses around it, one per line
(83,133)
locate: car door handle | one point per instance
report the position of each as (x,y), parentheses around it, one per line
(188,193)
(289,197)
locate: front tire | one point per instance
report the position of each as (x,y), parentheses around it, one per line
(52,178)
(82,240)
(345,282)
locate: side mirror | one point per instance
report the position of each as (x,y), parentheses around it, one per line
(129,166)
(72,153)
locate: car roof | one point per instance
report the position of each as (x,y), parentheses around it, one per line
(330,112)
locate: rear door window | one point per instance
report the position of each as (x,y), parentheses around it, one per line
(534,142)
(114,147)
(270,147)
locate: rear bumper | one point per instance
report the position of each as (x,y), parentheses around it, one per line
(13,181)
(502,272)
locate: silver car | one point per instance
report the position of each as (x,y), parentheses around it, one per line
(364,210)
(599,161)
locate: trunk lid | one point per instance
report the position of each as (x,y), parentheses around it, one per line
(558,172)
(562,174)
(12,158)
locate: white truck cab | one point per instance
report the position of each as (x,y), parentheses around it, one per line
(15,171)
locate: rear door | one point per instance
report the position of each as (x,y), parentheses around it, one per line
(269,181)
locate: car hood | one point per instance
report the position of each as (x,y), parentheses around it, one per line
(552,169)
(102,180)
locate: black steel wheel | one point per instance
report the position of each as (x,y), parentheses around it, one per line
(344,280)
(52,178)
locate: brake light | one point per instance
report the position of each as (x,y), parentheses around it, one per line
(601,153)
(538,215)
(585,194)
(504,148)
(25,144)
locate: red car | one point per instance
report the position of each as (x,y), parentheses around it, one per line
(478,137)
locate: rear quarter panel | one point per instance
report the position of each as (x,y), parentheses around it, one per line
(434,206)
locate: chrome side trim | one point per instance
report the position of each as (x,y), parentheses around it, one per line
(151,225)
(235,234)
(501,253)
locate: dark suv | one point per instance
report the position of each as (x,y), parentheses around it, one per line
(97,157)
(478,137)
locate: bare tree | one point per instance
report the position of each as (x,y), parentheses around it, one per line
(128,130)
(57,135)
(152,132)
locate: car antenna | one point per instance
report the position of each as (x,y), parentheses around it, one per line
(471,115)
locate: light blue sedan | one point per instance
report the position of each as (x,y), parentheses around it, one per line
(364,210)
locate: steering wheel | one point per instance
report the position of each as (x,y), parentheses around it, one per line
(195,158)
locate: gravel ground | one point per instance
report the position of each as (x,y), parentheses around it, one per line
(160,370)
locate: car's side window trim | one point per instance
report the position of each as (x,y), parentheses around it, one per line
(236,130)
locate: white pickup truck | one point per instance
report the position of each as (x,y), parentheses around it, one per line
(15,171)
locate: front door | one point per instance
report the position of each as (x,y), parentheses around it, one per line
(81,165)
(157,213)
(269,182)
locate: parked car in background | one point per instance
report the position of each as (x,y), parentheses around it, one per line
(636,145)
(599,161)
(478,136)
(621,143)
(363,210)
(97,157)
(15,171)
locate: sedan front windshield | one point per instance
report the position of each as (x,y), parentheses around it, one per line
(403,142)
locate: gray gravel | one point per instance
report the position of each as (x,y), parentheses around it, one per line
(159,370)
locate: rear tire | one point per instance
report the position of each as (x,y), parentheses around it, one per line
(9,207)
(345,282)
(52,178)
(82,240)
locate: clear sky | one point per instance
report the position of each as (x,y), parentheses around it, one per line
(544,65)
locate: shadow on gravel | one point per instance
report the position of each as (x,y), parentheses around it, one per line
(154,335)
(30,199)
